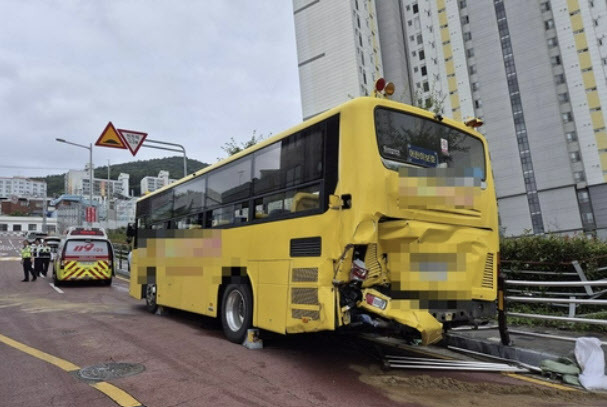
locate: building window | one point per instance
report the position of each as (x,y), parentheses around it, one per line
(555,60)
(424,70)
(462,4)
(467,36)
(426,87)
(470,52)
(16,228)
(559,79)
(563,97)
(415,69)
(579,176)
(415,8)
(574,157)
(478,104)
(31,227)
(472,69)
(422,55)
(545,6)
(474,86)
(583,196)
(571,136)
(548,24)
(420,39)
(552,42)
(567,117)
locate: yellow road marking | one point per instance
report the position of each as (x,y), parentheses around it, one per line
(118,395)
(53,360)
(540,382)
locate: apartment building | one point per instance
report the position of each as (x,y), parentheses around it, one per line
(534,71)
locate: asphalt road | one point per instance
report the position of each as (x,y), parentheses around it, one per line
(46,335)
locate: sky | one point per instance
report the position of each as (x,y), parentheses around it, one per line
(189,72)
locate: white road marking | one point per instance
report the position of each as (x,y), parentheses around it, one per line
(59,290)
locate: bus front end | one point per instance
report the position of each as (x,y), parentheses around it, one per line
(424,248)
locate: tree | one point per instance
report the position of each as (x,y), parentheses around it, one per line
(232,147)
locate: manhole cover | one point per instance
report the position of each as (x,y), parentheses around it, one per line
(105,371)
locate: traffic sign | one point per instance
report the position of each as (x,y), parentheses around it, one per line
(110,138)
(133,139)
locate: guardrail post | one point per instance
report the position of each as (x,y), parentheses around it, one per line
(501,311)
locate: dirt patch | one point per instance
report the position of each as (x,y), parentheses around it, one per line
(442,391)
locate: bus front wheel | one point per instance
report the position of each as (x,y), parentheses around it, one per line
(150,298)
(236,312)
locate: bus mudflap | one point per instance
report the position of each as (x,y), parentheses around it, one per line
(380,304)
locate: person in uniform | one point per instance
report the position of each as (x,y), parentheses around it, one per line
(36,246)
(44,253)
(26,261)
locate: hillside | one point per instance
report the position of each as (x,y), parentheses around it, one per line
(136,169)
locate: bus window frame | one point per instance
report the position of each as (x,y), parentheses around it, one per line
(329,175)
(441,123)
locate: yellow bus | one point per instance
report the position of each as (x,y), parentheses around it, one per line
(373,214)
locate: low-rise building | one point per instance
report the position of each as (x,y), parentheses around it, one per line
(21,187)
(150,184)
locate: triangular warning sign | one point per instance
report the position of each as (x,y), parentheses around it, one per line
(110,138)
(132,139)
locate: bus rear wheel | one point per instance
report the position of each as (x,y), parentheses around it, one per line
(236,312)
(150,298)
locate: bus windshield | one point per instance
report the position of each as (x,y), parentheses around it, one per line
(405,138)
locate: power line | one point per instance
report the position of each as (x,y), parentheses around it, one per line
(34,168)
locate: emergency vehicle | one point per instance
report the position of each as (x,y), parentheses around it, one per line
(84,255)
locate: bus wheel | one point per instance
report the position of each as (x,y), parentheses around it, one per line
(150,298)
(237,312)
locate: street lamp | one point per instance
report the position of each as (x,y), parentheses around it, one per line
(90,148)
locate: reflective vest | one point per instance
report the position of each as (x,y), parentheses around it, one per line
(26,253)
(33,249)
(44,251)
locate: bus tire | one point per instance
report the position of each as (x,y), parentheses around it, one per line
(237,312)
(150,298)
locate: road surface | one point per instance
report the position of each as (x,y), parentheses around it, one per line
(47,335)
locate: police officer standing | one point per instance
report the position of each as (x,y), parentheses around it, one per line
(35,247)
(44,253)
(26,261)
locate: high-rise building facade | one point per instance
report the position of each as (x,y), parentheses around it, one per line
(534,71)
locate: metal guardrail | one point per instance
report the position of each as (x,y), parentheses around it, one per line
(568,299)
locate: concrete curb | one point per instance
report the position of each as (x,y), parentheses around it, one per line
(493,347)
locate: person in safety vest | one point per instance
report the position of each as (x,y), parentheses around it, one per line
(44,253)
(26,261)
(33,248)
(37,260)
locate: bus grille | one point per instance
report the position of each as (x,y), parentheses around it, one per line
(307,296)
(304,313)
(488,273)
(305,275)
